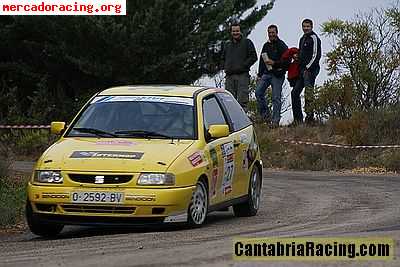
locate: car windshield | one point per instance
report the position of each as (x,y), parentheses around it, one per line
(136,116)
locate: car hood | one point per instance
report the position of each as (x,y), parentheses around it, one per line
(112,155)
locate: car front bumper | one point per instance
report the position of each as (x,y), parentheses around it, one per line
(139,206)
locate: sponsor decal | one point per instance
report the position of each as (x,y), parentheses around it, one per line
(116,143)
(55,196)
(195,159)
(229,167)
(245,165)
(141,197)
(252,151)
(106,154)
(214,157)
(227,190)
(214,179)
(244,139)
(174,218)
(157,99)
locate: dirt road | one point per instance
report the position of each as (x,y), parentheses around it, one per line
(293,204)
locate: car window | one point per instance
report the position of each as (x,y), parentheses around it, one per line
(173,117)
(212,113)
(235,112)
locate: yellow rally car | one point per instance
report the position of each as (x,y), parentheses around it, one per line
(147,154)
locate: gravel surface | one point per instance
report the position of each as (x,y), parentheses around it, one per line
(293,204)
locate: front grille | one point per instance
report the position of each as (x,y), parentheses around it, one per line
(100,179)
(98,209)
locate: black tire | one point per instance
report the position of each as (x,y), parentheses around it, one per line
(251,205)
(198,207)
(44,229)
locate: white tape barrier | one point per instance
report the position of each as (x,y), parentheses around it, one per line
(278,140)
(333,145)
(24,126)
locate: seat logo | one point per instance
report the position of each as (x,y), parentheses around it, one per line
(99,179)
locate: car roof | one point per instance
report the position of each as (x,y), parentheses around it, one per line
(161,90)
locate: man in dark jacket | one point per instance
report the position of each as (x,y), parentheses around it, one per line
(271,71)
(309,57)
(239,55)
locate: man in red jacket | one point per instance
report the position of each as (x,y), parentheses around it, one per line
(292,55)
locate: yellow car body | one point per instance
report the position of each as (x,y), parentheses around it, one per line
(100,173)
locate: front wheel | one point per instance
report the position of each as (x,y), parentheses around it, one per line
(251,205)
(198,207)
(39,228)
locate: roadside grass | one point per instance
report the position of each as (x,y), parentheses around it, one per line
(12,195)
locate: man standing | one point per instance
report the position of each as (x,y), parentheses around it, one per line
(239,55)
(271,71)
(309,57)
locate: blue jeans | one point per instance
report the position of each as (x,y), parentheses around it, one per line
(307,81)
(262,104)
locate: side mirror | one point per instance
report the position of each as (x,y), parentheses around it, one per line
(57,127)
(218,131)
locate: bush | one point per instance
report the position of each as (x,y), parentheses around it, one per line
(381,127)
(23,143)
(384,126)
(32,143)
(355,129)
(391,161)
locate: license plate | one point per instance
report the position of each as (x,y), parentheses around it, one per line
(97,197)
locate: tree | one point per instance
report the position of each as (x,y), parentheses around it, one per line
(334,99)
(53,64)
(367,52)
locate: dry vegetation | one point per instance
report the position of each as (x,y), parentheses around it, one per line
(361,129)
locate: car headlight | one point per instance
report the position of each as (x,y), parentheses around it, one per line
(156,179)
(48,177)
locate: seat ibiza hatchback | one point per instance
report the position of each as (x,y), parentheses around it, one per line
(147,154)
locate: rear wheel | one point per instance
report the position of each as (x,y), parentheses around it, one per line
(198,207)
(251,205)
(41,228)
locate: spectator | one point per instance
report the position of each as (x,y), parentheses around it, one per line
(239,55)
(271,71)
(292,55)
(309,57)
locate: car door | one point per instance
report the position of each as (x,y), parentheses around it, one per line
(219,153)
(241,135)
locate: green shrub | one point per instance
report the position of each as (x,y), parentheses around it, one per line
(391,160)
(32,143)
(384,126)
(23,143)
(355,129)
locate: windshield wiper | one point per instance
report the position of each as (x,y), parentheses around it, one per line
(143,133)
(94,131)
